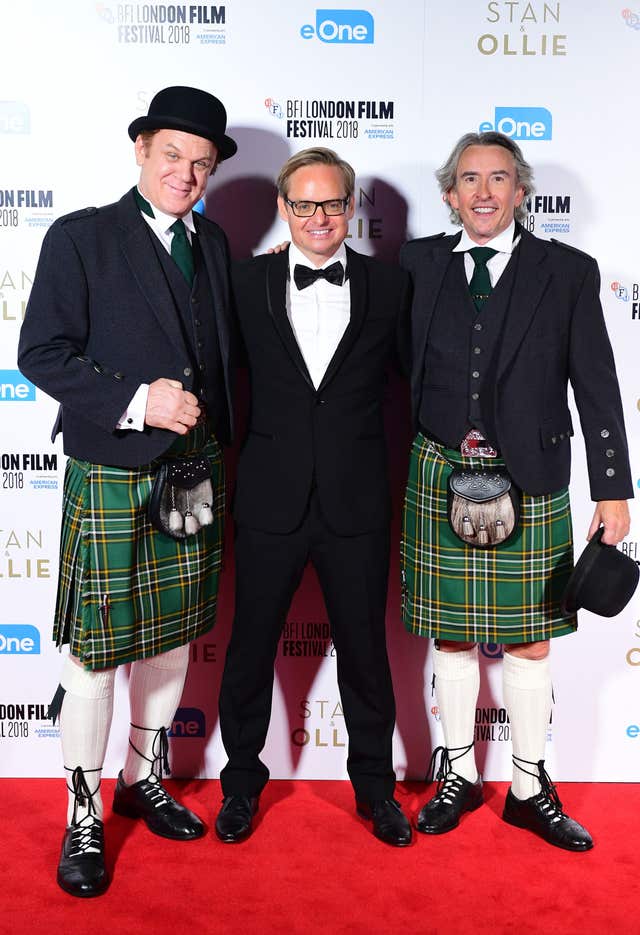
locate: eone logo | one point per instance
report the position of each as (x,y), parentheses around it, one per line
(341,26)
(15,388)
(521,123)
(187,722)
(18,639)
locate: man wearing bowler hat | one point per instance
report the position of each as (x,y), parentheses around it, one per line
(501,322)
(128,328)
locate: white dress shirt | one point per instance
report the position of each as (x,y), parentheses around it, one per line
(503,243)
(319,314)
(133,417)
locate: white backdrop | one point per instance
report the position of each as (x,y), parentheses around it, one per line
(391,87)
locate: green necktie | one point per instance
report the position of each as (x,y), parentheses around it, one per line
(181,250)
(480,284)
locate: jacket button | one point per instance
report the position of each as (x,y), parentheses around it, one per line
(118,376)
(604,433)
(553,440)
(561,436)
(475,374)
(187,371)
(320,402)
(203,367)
(475,396)
(477,326)
(610,472)
(477,350)
(609,452)
(98,368)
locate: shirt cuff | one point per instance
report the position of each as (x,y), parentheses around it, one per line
(133,416)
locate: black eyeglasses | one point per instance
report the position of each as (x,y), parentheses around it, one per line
(306,209)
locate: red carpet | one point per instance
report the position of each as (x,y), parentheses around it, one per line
(313,867)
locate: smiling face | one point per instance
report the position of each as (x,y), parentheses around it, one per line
(319,236)
(486,192)
(174,169)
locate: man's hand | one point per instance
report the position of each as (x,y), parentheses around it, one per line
(279,247)
(614,516)
(171,407)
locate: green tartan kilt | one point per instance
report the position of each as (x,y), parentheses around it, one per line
(125,590)
(452,591)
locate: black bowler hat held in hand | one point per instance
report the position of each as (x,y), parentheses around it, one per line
(190,110)
(603,580)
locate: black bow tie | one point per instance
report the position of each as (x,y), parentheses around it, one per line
(303,275)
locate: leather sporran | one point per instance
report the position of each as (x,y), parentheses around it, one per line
(181,497)
(483,506)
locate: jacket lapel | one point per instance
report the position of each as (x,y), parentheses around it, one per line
(427,285)
(358,288)
(531,280)
(216,264)
(141,257)
(276,289)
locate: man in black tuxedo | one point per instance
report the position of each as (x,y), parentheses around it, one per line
(320,324)
(501,321)
(128,327)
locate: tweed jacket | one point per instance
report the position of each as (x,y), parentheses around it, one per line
(101,320)
(554,333)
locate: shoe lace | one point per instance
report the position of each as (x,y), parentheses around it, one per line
(547,799)
(449,783)
(86,837)
(156,793)
(159,752)
(83,796)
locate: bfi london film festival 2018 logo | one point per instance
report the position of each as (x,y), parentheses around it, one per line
(629,295)
(28,470)
(344,119)
(31,207)
(170,24)
(20,720)
(527,29)
(492,724)
(632,20)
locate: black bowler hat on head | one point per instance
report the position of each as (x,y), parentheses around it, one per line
(190,110)
(603,580)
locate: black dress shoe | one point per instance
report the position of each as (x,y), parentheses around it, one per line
(543,815)
(455,796)
(81,870)
(234,821)
(149,800)
(389,823)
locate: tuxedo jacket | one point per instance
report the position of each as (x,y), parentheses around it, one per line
(553,333)
(101,319)
(330,440)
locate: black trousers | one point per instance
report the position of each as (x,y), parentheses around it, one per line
(353,573)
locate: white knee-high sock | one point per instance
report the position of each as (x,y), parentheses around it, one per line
(85,721)
(155,689)
(527,698)
(457,685)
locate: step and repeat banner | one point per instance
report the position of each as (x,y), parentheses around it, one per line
(390,87)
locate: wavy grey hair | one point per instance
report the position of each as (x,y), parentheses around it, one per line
(446,174)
